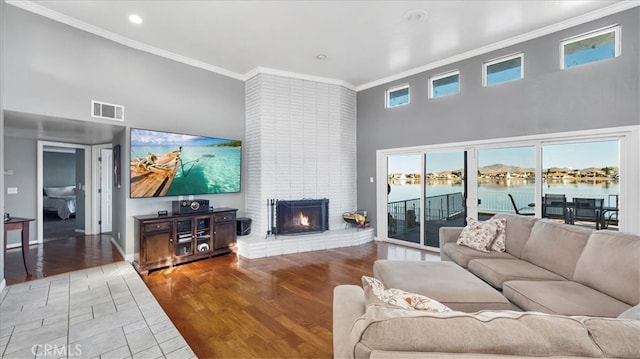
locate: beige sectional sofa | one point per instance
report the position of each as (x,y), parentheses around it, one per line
(556,268)
(565,286)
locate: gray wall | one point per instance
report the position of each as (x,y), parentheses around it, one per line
(120,195)
(22,204)
(55,70)
(81,194)
(547,100)
(59,169)
(2,188)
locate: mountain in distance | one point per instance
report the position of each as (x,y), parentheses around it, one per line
(501,168)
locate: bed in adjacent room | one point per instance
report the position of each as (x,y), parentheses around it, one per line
(60,201)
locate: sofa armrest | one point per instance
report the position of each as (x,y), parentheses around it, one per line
(448,235)
(348,305)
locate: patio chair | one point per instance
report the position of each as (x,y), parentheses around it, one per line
(555,206)
(518,210)
(587,209)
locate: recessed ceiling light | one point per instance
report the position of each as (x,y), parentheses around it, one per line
(136,19)
(321,57)
(415,15)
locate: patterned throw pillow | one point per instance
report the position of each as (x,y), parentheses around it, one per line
(376,294)
(478,235)
(499,244)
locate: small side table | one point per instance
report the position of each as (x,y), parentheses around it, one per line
(21,224)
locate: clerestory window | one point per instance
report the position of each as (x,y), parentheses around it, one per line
(504,69)
(445,84)
(397,96)
(590,47)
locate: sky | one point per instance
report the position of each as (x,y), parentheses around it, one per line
(575,156)
(150,138)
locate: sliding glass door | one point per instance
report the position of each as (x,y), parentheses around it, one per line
(404,178)
(584,172)
(586,179)
(444,193)
(506,180)
(433,181)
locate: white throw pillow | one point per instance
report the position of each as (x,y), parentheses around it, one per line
(478,235)
(376,294)
(499,244)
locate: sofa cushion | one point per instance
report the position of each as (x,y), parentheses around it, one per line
(610,263)
(555,246)
(376,294)
(486,332)
(462,255)
(617,338)
(445,282)
(498,271)
(517,231)
(562,297)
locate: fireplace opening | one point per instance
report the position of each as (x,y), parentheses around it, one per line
(302,216)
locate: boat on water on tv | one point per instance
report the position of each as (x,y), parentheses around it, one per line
(175,164)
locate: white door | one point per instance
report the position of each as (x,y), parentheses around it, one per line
(106,184)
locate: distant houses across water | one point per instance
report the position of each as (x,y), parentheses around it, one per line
(498,172)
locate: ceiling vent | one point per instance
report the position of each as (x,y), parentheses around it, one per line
(107,111)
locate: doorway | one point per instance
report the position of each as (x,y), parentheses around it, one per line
(59,192)
(57,196)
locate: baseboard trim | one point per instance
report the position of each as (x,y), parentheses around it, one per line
(117,245)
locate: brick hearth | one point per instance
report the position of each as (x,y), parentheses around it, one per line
(257,246)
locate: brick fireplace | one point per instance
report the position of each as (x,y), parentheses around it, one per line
(300,143)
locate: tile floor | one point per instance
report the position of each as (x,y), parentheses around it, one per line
(101,312)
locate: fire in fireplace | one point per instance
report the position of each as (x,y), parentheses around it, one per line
(302,216)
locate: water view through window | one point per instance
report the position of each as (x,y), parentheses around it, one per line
(575,170)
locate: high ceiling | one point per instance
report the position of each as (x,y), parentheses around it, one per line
(365,42)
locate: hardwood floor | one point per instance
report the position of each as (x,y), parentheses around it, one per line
(275,307)
(60,256)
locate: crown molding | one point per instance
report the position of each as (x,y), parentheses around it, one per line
(579,20)
(293,75)
(67,20)
(594,15)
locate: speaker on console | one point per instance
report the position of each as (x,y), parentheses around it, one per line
(191,206)
(243,226)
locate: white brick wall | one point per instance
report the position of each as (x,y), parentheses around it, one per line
(300,143)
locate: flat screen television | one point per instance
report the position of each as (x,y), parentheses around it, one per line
(176,164)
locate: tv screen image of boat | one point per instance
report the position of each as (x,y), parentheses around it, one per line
(175,164)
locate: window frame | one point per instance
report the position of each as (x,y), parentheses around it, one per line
(486,64)
(440,77)
(629,171)
(615,29)
(389,91)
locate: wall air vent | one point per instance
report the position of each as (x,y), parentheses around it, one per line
(107,111)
